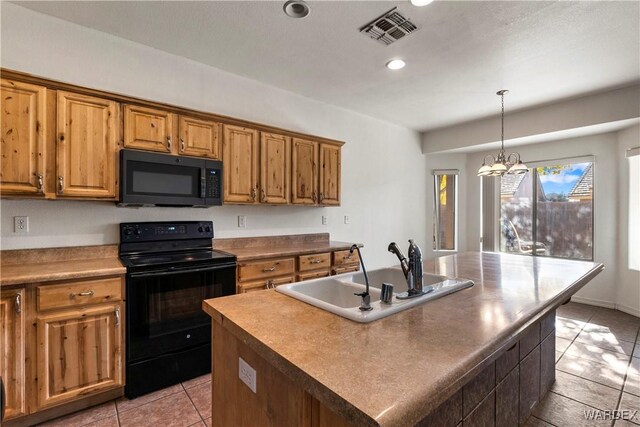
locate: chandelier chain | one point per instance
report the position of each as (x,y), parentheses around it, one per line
(502,134)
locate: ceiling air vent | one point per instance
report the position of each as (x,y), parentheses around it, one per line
(389,28)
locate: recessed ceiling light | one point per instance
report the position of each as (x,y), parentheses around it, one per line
(296,8)
(421,2)
(395,64)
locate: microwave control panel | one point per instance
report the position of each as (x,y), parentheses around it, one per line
(213,183)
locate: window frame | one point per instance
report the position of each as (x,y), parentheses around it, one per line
(534,211)
(436,203)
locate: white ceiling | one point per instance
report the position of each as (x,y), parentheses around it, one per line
(461,55)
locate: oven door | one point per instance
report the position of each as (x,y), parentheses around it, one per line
(164,308)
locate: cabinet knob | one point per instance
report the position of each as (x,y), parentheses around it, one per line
(254,193)
(18,303)
(313,196)
(60,184)
(117,315)
(39,183)
(181,144)
(321,197)
(263,195)
(169,142)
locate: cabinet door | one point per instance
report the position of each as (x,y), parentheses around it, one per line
(275,157)
(329,193)
(87,147)
(304,175)
(79,352)
(13,342)
(148,129)
(23,133)
(200,138)
(240,158)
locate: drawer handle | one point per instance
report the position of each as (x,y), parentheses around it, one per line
(315,261)
(346,257)
(267,270)
(82,294)
(18,302)
(117,316)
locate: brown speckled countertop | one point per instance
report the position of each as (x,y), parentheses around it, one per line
(396,370)
(51,264)
(255,248)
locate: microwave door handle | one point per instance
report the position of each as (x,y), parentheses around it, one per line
(178,271)
(203,183)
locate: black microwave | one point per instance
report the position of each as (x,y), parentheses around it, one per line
(154,179)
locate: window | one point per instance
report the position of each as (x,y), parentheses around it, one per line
(549,211)
(445,222)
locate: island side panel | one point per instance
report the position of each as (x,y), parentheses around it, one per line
(278,401)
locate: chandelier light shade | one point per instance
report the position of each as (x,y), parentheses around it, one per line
(502,164)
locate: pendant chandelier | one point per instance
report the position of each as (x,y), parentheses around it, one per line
(502,164)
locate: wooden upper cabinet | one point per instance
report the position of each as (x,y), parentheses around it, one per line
(23,138)
(13,343)
(240,147)
(79,352)
(275,160)
(200,138)
(148,129)
(87,146)
(304,172)
(329,192)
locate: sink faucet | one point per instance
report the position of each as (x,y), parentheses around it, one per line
(412,268)
(365,304)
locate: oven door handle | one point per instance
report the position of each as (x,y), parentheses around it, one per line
(179,271)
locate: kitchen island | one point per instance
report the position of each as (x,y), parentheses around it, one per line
(316,368)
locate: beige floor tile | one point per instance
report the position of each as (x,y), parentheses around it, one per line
(568,328)
(584,391)
(632,383)
(201,397)
(125,404)
(605,340)
(87,416)
(576,311)
(620,331)
(597,354)
(562,411)
(562,344)
(536,422)
(610,375)
(175,410)
(105,422)
(196,381)
(606,314)
(630,403)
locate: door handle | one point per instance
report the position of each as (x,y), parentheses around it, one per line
(117,316)
(60,184)
(181,144)
(169,142)
(18,303)
(40,183)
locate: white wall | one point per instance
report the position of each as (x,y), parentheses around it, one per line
(601,290)
(446,161)
(383,171)
(628,289)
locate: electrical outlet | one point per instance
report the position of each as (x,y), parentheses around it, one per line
(247,374)
(324,220)
(21,224)
(347,220)
(242,221)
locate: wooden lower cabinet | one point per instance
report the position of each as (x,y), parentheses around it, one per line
(80,352)
(313,275)
(13,342)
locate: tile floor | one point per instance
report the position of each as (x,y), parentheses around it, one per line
(597,369)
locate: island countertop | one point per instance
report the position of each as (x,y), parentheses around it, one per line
(396,370)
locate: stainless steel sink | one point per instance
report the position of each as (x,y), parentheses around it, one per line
(335,294)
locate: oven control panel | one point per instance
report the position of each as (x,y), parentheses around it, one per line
(154,231)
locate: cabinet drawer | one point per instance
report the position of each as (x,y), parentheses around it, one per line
(266,269)
(259,285)
(79,293)
(314,262)
(346,269)
(344,258)
(313,275)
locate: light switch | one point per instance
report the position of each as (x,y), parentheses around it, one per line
(324,220)
(242,221)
